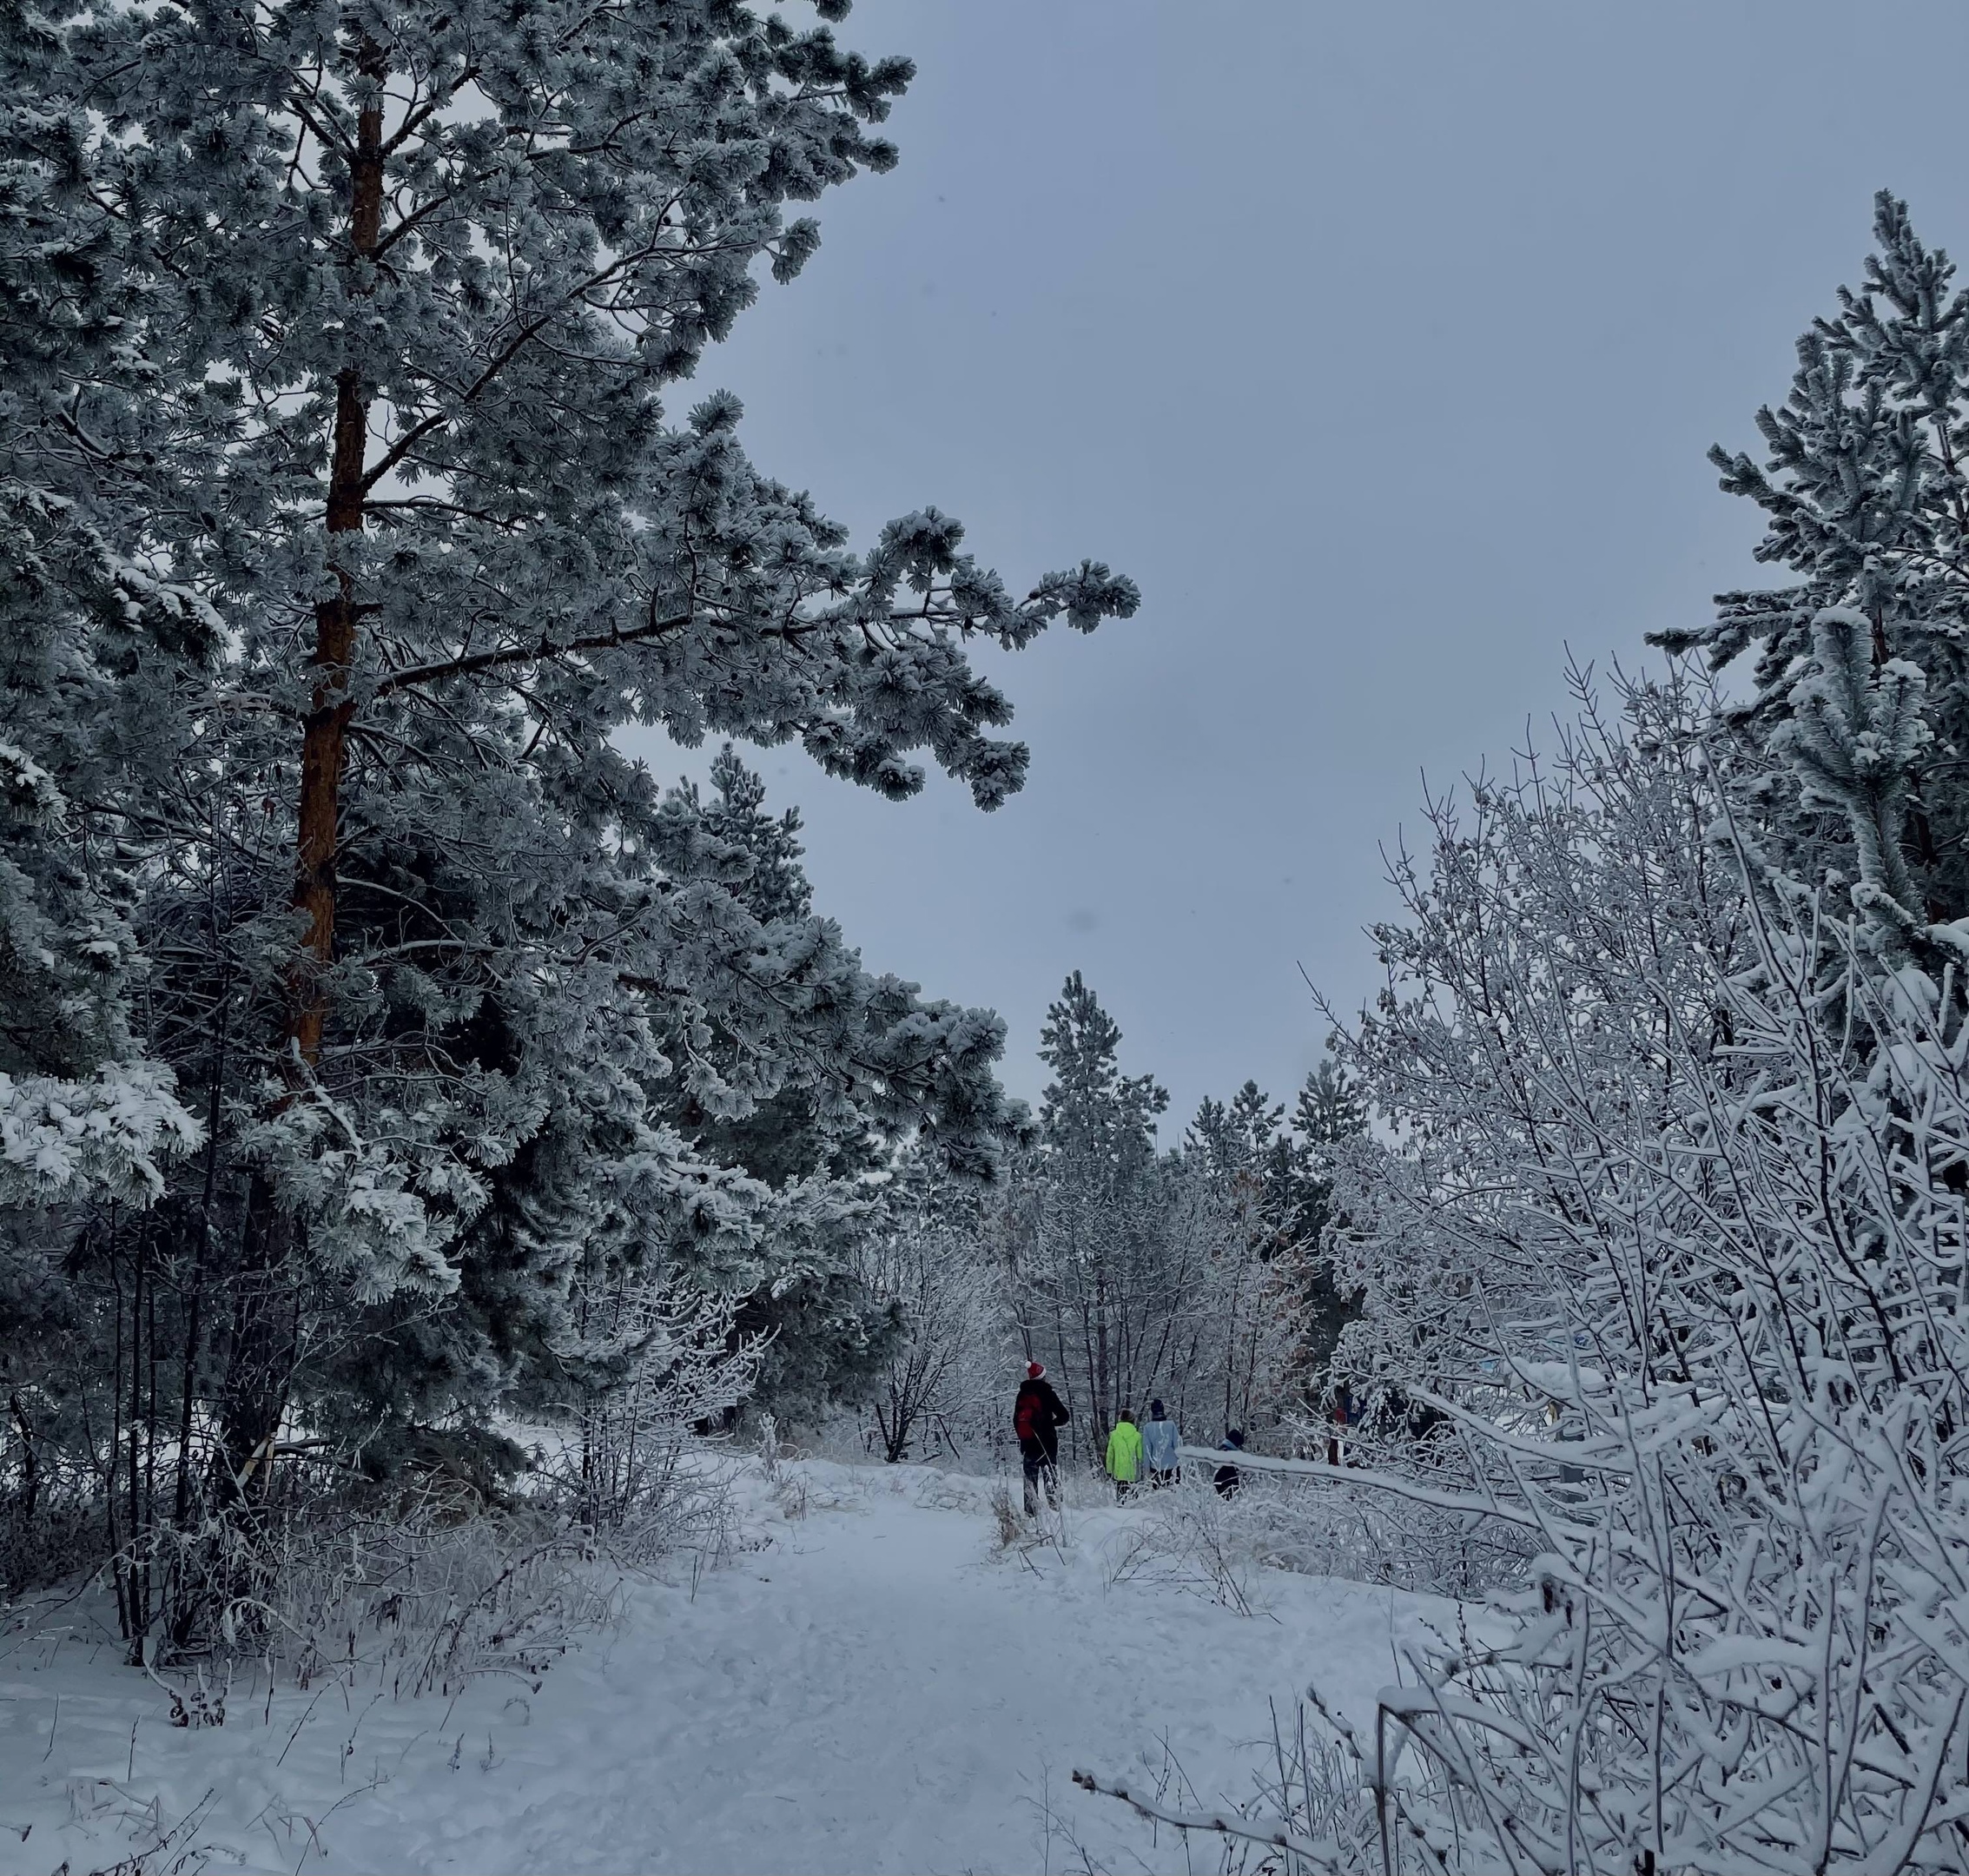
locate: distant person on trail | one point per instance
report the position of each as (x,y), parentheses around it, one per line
(1160,1442)
(1229,1479)
(1124,1454)
(1037,1416)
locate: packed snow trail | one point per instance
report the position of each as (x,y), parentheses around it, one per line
(878,1688)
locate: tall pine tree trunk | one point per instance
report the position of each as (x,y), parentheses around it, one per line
(325,737)
(265,1342)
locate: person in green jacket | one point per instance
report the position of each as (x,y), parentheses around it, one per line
(1124,1454)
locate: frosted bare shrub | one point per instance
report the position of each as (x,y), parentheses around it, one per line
(1664,1270)
(658,1363)
(1193,1540)
(1321,1527)
(423,1599)
(419,1579)
(1660,1249)
(924,1258)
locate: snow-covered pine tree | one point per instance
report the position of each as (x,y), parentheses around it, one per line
(1277,1306)
(826,1336)
(1091,1114)
(92,648)
(1329,1113)
(1866,492)
(1248,1161)
(1302,1289)
(1329,1107)
(404,289)
(1242,1138)
(1090,1293)
(89,644)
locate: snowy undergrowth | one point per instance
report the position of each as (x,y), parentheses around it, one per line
(871,1682)
(421,1601)
(1317,1527)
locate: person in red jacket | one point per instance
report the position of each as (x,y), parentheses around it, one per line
(1037,1416)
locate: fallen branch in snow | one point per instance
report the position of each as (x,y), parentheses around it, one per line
(1323,1855)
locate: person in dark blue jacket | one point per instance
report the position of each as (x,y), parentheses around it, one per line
(1229,1479)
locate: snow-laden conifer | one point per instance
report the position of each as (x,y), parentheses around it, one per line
(1865,489)
(337,444)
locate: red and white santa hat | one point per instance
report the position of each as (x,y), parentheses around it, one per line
(1034,1370)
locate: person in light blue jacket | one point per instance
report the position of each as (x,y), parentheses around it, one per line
(1160,1442)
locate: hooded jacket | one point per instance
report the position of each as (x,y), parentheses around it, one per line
(1160,1442)
(1125,1452)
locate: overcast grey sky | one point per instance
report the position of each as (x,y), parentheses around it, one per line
(1382,345)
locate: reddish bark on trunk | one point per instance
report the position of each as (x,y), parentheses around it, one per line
(325,737)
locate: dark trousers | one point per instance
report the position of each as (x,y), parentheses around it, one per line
(1039,1464)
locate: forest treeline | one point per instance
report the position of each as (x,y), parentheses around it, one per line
(1131,1273)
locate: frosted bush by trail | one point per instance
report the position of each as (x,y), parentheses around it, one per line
(417,1582)
(923,1258)
(1324,1527)
(1309,1814)
(1663,1270)
(628,1465)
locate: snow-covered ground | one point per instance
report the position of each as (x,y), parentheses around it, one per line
(878,1687)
